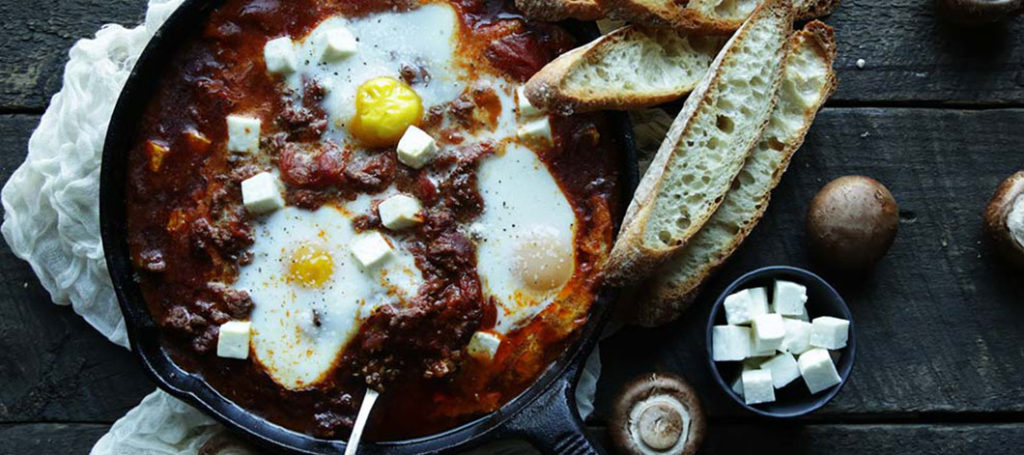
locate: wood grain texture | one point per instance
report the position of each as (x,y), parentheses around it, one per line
(53,366)
(50,438)
(910,55)
(36,37)
(938,320)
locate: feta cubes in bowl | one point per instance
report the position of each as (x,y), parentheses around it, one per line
(780,341)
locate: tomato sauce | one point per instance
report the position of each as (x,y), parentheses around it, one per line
(189,233)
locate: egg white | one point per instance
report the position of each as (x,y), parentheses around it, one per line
(294,350)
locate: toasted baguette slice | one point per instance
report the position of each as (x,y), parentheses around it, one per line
(557,10)
(811,9)
(629,68)
(808,82)
(706,146)
(703,16)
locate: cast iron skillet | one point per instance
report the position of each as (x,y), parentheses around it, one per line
(545,414)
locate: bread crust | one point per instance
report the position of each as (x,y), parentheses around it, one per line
(630,260)
(813,9)
(559,10)
(659,301)
(674,15)
(548,88)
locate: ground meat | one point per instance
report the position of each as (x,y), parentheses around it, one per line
(236,303)
(230,235)
(152,261)
(180,319)
(312,165)
(461,109)
(206,341)
(371,174)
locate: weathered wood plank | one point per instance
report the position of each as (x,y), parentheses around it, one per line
(36,37)
(722,438)
(69,439)
(910,56)
(938,320)
(53,366)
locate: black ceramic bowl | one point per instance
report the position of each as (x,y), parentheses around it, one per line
(794,400)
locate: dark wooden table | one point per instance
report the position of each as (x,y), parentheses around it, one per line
(935,113)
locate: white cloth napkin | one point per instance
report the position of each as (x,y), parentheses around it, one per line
(51,220)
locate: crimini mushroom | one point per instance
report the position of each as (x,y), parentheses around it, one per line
(977,12)
(657,414)
(1004,219)
(852,222)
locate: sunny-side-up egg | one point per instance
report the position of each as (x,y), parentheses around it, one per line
(367,102)
(525,236)
(310,291)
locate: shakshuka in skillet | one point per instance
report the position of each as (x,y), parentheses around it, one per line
(330,195)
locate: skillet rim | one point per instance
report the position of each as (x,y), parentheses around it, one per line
(144,335)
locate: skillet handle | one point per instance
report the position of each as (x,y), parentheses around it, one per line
(552,424)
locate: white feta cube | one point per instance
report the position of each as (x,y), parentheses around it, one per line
(243,134)
(818,370)
(789,298)
(799,317)
(784,369)
(416,148)
(484,345)
(233,340)
(371,250)
(526,109)
(338,43)
(400,212)
(798,337)
(759,300)
(757,386)
(279,54)
(829,332)
(768,331)
(538,130)
(729,343)
(261,193)
(741,307)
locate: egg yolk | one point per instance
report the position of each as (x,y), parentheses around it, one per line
(310,266)
(544,259)
(385,108)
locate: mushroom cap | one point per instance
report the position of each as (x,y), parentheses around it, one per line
(852,222)
(657,414)
(1004,219)
(978,12)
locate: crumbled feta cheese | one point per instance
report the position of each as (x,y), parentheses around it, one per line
(768,331)
(338,43)
(526,109)
(243,134)
(829,332)
(789,298)
(484,345)
(538,130)
(729,343)
(416,148)
(784,369)
(741,307)
(818,370)
(279,54)
(261,193)
(757,386)
(798,337)
(233,340)
(371,250)
(399,212)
